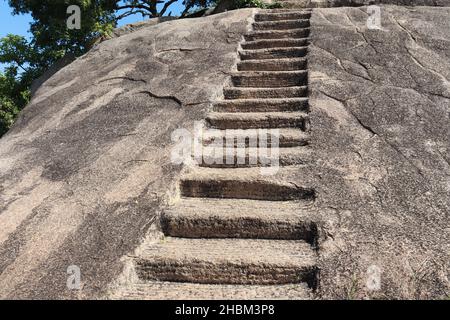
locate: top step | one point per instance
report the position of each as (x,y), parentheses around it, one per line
(302,4)
(281,10)
(277,16)
(281,24)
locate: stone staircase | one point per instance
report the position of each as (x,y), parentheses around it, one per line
(235,233)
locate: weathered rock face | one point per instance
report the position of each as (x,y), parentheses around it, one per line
(87,166)
(356,3)
(380,124)
(86,170)
(350,3)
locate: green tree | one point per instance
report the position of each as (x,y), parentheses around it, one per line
(99,17)
(12,98)
(15,81)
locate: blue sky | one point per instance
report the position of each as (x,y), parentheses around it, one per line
(20,24)
(12,24)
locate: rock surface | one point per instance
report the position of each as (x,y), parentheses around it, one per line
(86,168)
(380,102)
(356,3)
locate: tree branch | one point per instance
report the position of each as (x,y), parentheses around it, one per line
(20,66)
(166,6)
(136,6)
(187,8)
(131,12)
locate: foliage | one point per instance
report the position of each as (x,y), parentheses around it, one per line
(13,97)
(16,79)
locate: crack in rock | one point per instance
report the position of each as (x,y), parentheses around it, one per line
(180,50)
(169,97)
(123,78)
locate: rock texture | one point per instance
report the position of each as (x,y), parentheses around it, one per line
(86,169)
(295,4)
(380,102)
(363,189)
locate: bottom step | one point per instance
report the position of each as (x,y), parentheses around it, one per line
(228,261)
(153,290)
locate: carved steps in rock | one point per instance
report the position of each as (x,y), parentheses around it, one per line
(275,43)
(235,232)
(251,137)
(277,34)
(228,261)
(230,218)
(241,184)
(265,93)
(273,53)
(285,64)
(262,105)
(303,4)
(284,10)
(245,157)
(253,120)
(284,15)
(280,25)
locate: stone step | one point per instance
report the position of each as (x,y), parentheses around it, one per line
(281,10)
(246,157)
(277,34)
(270,79)
(262,105)
(241,184)
(273,53)
(231,218)
(157,290)
(276,16)
(261,120)
(300,4)
(228,261)
(275,43)
(252,137)
(281,24)
(286,64)
(263,93)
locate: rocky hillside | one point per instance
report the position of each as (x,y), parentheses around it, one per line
(86,177)
(86,169)
(380,102)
